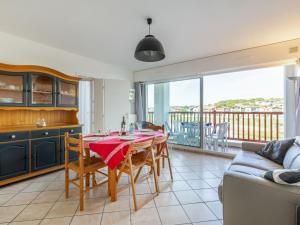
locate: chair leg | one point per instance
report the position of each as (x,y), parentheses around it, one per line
(67,182)
(163,162)
(81,190)
(158,167)
(94,182)
(132,185)
(169,163)
(87,180)
(154,171)
(138,174)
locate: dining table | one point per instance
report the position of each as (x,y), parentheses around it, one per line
(112,148)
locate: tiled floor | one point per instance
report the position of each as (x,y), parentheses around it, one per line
(191,199)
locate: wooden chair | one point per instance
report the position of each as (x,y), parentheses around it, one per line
(137,156)
(162,153)
(156,127)
(84,166)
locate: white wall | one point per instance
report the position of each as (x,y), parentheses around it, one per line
(269,55)
(116,103)
(16,50)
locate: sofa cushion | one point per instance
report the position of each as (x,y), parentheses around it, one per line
(284,176)
(291,156)
(276,150)
(251,159)
(247,170)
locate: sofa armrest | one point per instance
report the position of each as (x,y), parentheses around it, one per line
(252,146)
(249,200)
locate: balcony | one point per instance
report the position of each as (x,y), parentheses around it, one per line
(243,126)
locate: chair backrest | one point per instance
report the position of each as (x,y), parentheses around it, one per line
(161,143)
(156,127)
(221,129)
(73,144)
(137,147)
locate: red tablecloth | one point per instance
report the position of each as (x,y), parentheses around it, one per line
(113,150)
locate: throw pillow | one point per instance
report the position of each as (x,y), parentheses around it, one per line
(284,176)
(276,150)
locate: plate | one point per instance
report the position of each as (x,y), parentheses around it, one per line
(127,138)
(148,133)
(146,130)
(91,139)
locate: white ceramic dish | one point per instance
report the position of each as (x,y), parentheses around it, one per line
(148,133)
(146,130)
(91,139)
(127,138)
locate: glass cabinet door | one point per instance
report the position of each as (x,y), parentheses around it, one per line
(67,93)
(42,90)
(12,89)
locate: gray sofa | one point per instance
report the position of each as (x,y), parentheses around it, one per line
(250,199)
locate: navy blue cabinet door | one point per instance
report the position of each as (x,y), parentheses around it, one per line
(45,153)
(73,156)
(14,159)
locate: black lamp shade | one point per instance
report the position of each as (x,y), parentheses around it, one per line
(149,49)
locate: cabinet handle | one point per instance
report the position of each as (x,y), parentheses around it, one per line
(72,131)
(46,133)
(13,136)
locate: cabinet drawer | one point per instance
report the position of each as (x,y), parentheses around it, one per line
(14,136)
(70,130)
(44,133)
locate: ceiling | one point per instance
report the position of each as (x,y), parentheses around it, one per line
(109,30)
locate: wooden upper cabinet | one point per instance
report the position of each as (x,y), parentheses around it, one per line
(67,94)
(42,90)
(37,86)
(13,88)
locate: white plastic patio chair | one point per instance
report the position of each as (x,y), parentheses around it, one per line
(219,135)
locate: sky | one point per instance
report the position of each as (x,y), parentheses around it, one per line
(264,83)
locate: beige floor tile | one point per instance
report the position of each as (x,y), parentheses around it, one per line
(183,169)
(5,197)
(92,206)
(186,197)
(34,212)
(116,218)
(208,194)
(145,217)
(213,182)
(47,196)
(57,221)
(166,199)
(205,174)
(63,209)
(199,212)
(144,201)
(56,185)
(33,222)
(13,188)
(35,187)
(180,186)
(198,184)
(8,213)
(163,186)
(216,222)
(217,208)
(123,203)
(93,219)
(172,215)
(141,189)
(190,176)
(22,198)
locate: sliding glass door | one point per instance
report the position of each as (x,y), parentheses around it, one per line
(177,105)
